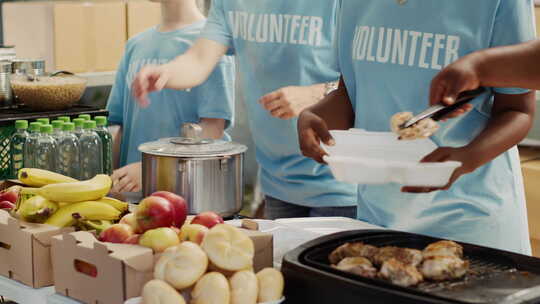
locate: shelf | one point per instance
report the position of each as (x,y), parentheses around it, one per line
(20,293)
(99,79)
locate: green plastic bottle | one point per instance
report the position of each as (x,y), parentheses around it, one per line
(106,141)
(30,146)
(18,140)
(85,116)
(64,118)
(43,121)
(79,123)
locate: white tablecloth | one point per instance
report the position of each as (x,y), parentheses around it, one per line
(23,294)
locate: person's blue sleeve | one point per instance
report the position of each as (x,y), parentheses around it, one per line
(217,28)
(215,97)
(115,104)
(514,24)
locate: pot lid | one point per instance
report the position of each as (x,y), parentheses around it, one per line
(191,144)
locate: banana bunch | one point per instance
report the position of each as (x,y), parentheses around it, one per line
(62,201)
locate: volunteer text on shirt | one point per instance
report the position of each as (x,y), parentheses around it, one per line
(401,47)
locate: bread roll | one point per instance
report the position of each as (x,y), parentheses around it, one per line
(244,287)
(229,248)
(181,265)
(159,292)
(212,288)
(271,284)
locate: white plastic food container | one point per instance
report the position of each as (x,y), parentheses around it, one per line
(371,158)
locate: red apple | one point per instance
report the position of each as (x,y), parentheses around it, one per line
(131,220)
(11,194)
(117,233)
(154,212)
(86,268)
(193,232)
(179,204)
(134,239)
(159,239)
(208,219)
(7,205)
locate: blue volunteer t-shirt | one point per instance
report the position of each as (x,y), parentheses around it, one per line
(388,54)
(282,43)
(169,109)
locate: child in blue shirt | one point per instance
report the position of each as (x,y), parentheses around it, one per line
(285,58)
(389,51)
(209,104)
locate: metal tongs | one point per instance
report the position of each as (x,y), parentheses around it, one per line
(439,111)
(34,77)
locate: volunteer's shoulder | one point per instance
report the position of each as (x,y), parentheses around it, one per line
(140,38)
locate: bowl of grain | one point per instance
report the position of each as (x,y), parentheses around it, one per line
(48,93)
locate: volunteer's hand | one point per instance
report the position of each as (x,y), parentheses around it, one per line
(311,131)
(289,102)
(149,79)
(447,154)
(456,78)
(128,178)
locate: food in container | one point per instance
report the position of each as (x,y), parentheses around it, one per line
(423,129)
(49,92)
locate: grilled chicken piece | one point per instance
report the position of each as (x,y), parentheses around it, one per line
(443,248)
(347,250)
(400,274)
(407,256)
(442,268)
(357,265)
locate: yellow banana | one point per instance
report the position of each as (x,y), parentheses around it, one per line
(92,189)
(39,178)
(37,209)
(119,205)
(67,215)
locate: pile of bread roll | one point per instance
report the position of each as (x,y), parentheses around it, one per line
(220,271)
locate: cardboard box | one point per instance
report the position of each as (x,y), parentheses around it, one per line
(530,166)
(264,249)
(25,253)
(73,36)
(122,270)
(142,15)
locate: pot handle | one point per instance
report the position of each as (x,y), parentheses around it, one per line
(224,163)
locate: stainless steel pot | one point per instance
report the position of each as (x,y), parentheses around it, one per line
(207,173)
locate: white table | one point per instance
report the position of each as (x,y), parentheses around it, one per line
(23,294)
(60,299)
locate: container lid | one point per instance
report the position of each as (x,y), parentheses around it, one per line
(191,145)
(85,116)
(57,124)
(89,124)
(68,126)
(21,124)
(79,122)
(46,129)
(44,121)
(64,118)
(34,126)
(101,120)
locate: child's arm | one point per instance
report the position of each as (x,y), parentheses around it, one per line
(212,127)
(511,120)
(186,71)
(334,112)
(289,102)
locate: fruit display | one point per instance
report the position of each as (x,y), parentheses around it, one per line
(229,248)
(179,205)
(208,219)
(157,291)
(181,266)
(62,201)
(154,212)
(159,239)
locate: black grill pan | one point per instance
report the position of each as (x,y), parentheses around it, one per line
(495,276)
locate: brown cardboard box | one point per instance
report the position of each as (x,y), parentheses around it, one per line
(264,249)
(74,36)
(25,251)
(122,270)
(530,166)
(142,15)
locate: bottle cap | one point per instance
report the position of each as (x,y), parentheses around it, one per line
(85,116)
(46,129)
(101,120)
(21,124)
(57,124)
(34,126)
(44,121)
(69,126)
(79,122)
(64,118)
(89,124)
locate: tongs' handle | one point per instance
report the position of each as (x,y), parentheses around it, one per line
(463,98)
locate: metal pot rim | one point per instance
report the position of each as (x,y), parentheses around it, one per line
(238,151)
